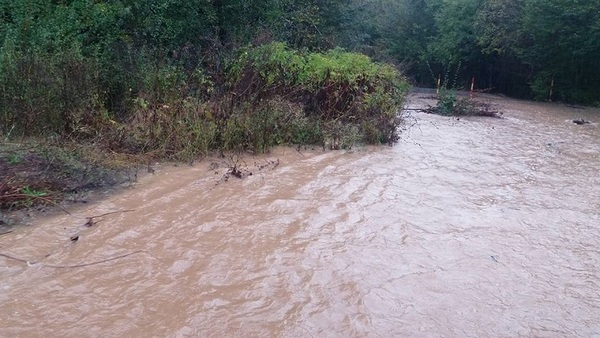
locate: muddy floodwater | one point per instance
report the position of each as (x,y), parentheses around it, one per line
(477,227)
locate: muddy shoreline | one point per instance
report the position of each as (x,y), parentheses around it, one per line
(39,177)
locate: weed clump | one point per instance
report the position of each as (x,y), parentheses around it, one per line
(450,104)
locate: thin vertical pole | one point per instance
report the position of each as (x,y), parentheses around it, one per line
(551,90)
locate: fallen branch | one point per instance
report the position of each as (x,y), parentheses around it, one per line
(90,220)
(30,263)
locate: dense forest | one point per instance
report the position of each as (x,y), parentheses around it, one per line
(66,65)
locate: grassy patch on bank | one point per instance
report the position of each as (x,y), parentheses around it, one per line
(38,172)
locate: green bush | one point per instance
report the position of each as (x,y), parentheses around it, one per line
(446,101)
(331,86)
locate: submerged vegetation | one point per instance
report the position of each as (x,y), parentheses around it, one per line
(449,103)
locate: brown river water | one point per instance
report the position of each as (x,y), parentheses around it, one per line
(477,227)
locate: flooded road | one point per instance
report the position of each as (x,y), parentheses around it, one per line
(477,227)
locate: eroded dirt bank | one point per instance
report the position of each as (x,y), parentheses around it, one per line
(472,227)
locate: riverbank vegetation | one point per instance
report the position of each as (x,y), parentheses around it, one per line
(177,79)
(186,77)
(532,49)
(449,103)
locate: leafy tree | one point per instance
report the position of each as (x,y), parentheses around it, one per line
(561,44)
(169,24)
(499,37)
(455,37)
(496,24)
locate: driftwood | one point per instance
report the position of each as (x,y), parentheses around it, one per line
(90,220)
(580,121)
(31,263)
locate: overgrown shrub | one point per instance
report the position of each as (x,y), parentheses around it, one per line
(446,102)
(331,86)
(267,96)
(43,92)
(180,130)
